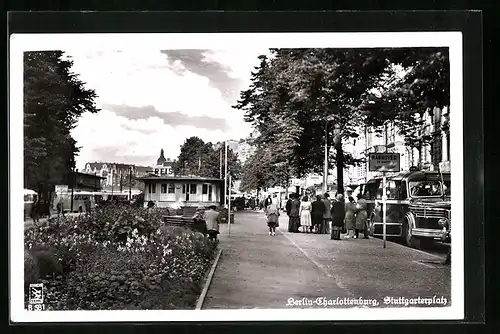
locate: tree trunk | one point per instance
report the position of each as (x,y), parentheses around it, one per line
(340,167)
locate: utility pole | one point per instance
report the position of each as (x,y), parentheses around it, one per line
(130,185)
(384,194)
(325,170)
(225,175)
(73,181)
(220,163)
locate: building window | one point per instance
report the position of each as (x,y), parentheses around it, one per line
(436,151)
(171,188)
(192,189)
(163,188)
(183,188)
(152,188)
(210,192)
(448,146)
(205,189)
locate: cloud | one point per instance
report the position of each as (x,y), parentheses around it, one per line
(173,118)
(156,99)
(200,62)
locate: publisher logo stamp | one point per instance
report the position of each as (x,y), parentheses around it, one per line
(36,294)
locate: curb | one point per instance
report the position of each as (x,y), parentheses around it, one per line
(203,294)
(411,249)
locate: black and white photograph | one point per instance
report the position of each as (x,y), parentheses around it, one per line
(236,176)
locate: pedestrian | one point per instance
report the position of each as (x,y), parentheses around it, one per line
(212,219)
(268,201)
(338,215)
(295,213)
(35,210)
(327,215)
(350,217)
(288,207)
(318,209)
(361,217)
(305,214)
(87,205)
(272,214)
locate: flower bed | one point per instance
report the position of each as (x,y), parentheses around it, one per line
(116,258)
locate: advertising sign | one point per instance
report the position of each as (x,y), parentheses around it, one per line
(61,188)
(384,162)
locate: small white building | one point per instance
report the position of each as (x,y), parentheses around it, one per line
(182,191)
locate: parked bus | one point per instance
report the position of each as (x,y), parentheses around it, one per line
(418,206)
(29,199)
(79,198)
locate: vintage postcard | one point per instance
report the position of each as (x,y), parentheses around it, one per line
(236,177)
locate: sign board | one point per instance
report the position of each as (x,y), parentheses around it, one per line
(61,188)
(384,162)
(445,167)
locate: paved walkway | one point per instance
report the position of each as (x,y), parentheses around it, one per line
(260,271)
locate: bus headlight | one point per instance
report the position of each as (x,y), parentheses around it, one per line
(443,222)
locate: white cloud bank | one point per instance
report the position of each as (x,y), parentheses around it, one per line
(138,78)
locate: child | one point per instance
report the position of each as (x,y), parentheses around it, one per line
(273,214)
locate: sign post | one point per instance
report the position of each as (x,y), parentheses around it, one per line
(229,209)
(384,162)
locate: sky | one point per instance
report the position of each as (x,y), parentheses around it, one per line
(151,100)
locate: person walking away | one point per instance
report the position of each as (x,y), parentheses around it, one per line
(288,207)
(212,219)
(338,215)
(327,215)
(35,210)
(318,209)
(361,217)
(86,203)
(268,201)
(350,217)
(305,214)
(272,214)
(295,213)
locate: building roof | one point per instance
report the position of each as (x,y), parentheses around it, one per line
(118,165)
(165,177)
(91,175)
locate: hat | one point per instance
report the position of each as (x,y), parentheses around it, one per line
(200,208)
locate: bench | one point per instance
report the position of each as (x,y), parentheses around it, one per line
(185,222)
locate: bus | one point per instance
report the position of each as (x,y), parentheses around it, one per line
(29,199)
(418,206)
(79,198)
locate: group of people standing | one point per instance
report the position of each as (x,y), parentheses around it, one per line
(322,215)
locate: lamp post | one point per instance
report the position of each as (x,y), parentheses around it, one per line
(225,175)
(73,181)
(130,185)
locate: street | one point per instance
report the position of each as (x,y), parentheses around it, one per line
(260,271)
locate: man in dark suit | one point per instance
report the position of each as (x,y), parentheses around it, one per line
(318,209)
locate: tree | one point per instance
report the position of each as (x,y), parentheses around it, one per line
(405,99)
(307,92)
(323,95)
(203,159)
(54,99)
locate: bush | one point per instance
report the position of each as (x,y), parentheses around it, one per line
(117,259)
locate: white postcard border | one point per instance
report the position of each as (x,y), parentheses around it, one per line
(38,42)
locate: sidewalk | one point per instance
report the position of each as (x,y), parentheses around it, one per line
(260,271)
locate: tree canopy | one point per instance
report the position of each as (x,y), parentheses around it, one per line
(298,97)
(203,159)
(54,99)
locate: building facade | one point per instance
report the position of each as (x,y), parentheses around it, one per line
(114,174)
(182,191)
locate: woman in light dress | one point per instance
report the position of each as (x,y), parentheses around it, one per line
(350,217)
(305,214)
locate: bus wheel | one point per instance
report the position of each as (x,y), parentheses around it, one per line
(409,239)
(80,209)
